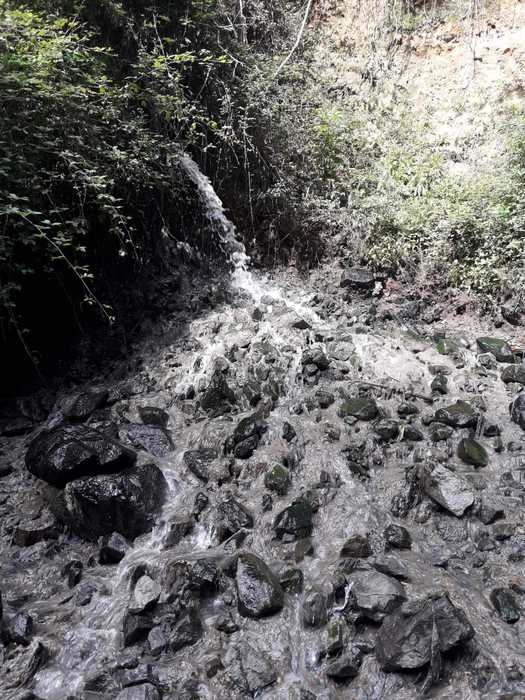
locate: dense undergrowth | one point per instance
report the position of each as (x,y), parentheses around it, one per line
(99,98)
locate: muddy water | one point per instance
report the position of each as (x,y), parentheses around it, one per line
(390,365)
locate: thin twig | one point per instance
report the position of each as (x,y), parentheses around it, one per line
(298,40)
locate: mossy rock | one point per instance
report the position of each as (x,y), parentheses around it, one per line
(497,347)
(472,452)
(278,480)
(459,415)
(361,408)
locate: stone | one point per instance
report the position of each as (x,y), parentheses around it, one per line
(511,313)
(346,666)
(186,631)
(198,461)
(314,609)
(151,415)
(259,592)
(449,346)
(391,565)
(295,521)
(232,516)
(375,594)
(177,529)
(439,384)
(360,408)
(406,638)
(458,415)
(288,432)
(135,628)
(113,548)
(21,629)
(357,278)
(472,452)
(387,429)
(324,398)
(397,537)
(506,604)
(250,668)
(497,347)
(218,397)
(278,480)
(356,547)
(292,580)
(157,441)
(517,410)
(65,453)
(145,595)
(446,488)
(315,356)
(411,433)
(439,432)
(72,571)
(246,436)
(126,503)
(407,409)
(86,403)
(29,532)
(514,373)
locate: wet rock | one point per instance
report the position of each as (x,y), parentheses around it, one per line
(29,532)
(217,398)
(65,453)
(259,592)
(506,604)
(458,415)
(292,580)
(278,480)
(199,461)
(144,691)
(376,594)
(391,565)
(126,503)
(346,666)
(315,356)
(397,537)
(503,531)
(84,594)
(497,347)
(314,610)
(72,571)
(511,313)
(489,512)
(246,436)
(360,408)
(472,452)
(145,595)
(113,548)
(449,346)
(186,631)
(135,628)
(28,664)
(86,403)
(151,415)
(232,516)
(356,547)
(143,673)
(200,503)
(411,433)
(517,410)
(21,629)
(439,384)
(491,430)
(152,439)
(250,668)
(406,638)
(446,488)
(295,521)
(303,548)
(407,409)
(288,432)
(387,429)
(357,278)
(439,432)
(514,373)
(177,529)
(324,398)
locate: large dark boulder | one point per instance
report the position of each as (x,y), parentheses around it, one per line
(65,453)
(125,503)
(259,592)
(157,441)
(405,639)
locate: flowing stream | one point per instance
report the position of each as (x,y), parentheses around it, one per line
(259,339)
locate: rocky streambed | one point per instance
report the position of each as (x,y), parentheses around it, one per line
(286,495)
